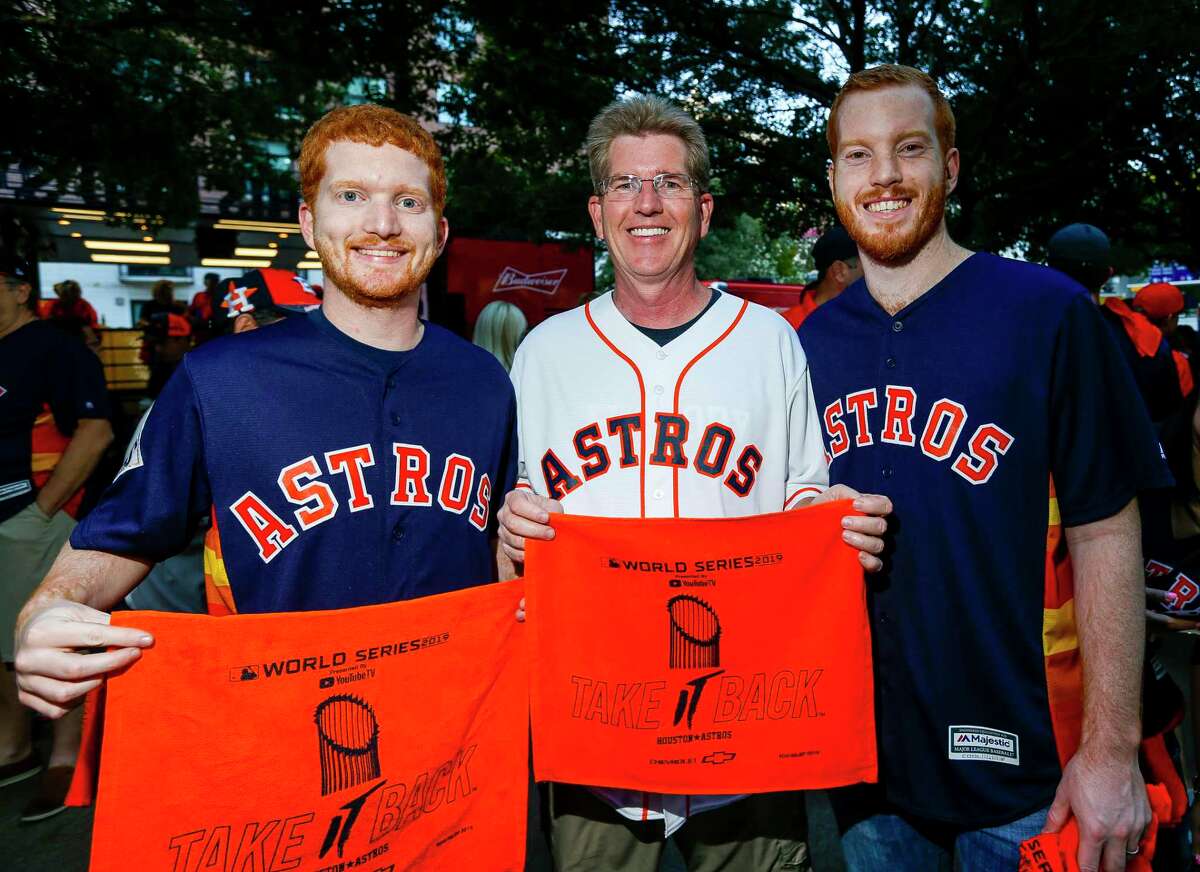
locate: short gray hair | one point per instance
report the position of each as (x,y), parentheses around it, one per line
(645,116)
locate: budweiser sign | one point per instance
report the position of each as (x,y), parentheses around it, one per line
(543,283)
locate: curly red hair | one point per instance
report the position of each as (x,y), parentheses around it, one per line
(371,125)
(891,75)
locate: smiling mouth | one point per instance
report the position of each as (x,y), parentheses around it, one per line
(894,205)
(645,232)
(380,253)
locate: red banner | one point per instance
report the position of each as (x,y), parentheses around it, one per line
(701,656)
(540,279)
(382,738)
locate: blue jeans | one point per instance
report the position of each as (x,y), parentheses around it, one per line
(890,842)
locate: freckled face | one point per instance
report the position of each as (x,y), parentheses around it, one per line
(889,177)
(374,224)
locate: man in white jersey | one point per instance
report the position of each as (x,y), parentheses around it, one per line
(667,399)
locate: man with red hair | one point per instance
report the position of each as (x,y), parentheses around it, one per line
(347,456)
(1007,685)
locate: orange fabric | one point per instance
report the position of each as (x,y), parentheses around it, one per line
(217,592)
(178,325)
(1160,769)
(1146,337)
(1064,666)
(389,736)
(48,445)
(1059,852)
(796,315)
(1184,369)
(701,656)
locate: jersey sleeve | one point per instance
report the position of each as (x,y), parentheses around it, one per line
(509,464)
(1103,449)
(154,504)
(78,389)
(523,478)
(808,473)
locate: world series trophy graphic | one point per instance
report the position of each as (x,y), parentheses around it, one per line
(348,738)
(695,634)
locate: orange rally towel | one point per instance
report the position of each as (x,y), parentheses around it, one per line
(384,737)
(701,656)
(1059,852)
(1145,336)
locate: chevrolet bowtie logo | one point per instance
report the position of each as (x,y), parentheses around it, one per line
(511,279)
(716,758)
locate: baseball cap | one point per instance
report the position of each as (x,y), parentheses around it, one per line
(1159,300)
(834,244)
(1080,243)
(14,267)
(278,290)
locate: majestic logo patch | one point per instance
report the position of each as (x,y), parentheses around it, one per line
(982,743)
(543,283)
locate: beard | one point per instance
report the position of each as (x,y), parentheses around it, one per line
(893,246)
(378,289)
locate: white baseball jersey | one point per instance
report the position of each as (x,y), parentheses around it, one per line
(720,422)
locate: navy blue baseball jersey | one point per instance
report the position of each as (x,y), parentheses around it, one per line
(337,474)
(993,410)
(40,366)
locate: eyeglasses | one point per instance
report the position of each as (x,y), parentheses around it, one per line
(666,185)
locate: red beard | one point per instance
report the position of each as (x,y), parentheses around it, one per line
(381,291)
(894,246)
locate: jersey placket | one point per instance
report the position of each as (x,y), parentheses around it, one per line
(661,372)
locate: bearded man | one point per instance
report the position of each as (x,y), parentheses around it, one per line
(986,397)
(347,457)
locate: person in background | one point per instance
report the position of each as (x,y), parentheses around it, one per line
(1083,252)
(168,334)
(200,312)
(40,366)
(73,313)
(499,329)
(1171,545)
(836,258)
(1161,303)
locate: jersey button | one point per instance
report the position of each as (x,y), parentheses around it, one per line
(658,494)
(662,355)
(886,472)
(658,389)
(397,532)
(897,326)
(890,363)
(395,419)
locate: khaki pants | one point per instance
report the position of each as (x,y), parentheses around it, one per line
(29,542)
(762,833)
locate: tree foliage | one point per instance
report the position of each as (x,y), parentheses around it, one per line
(1068,110)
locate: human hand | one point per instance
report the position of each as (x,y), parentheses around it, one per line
(525,515)
(1105,793)
(1160,616)
(53,674)
(864,532)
